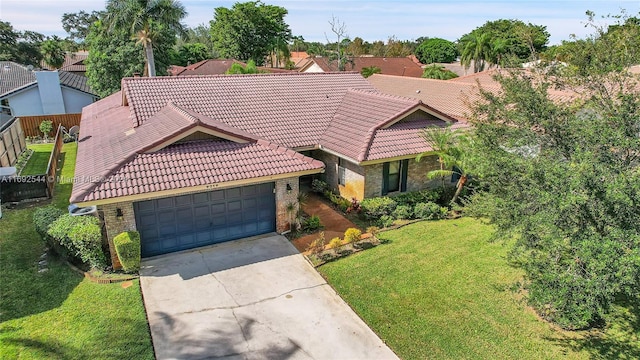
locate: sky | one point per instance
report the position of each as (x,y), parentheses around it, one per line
(370,20)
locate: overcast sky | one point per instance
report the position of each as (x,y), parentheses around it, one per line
(370,20)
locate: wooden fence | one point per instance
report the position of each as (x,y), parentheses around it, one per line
(31,124)
(12,143)
(52,168)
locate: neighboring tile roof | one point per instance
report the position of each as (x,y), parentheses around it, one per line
(14,77)
(448,97)
(288,109)
(400,66)
(206,67)
(108,147)
(75,62)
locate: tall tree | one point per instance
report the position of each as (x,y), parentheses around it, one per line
(143,18)
(339,29)
(249,30)
(495,42)
(112,56)
(562,179)
(77,25)
(189,53)
(22,47)
(436,50)
(53,52)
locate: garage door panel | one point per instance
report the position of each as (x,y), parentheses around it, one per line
(188,221)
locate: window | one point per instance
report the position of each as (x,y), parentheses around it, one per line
(394,176)
(342,177)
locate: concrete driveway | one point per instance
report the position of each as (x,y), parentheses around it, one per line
(255,298)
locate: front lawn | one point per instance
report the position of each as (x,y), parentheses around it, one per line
(441,290)
(58,314)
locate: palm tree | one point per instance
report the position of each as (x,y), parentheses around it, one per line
(439,72)
(140,16)
(476,48)
(370,70)
(449,146)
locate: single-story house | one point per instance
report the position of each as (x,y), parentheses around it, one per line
(399,66)
(30,93)
(195,160)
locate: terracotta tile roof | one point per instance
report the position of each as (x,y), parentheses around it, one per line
(75,62)
(354,128)
(448,97)
(403,138)
(289,109)
(109,148)
(400,66)
(206,67)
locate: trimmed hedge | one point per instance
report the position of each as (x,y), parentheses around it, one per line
(81,237)
(403,212)
(429,211)
(127,246)
(43,218)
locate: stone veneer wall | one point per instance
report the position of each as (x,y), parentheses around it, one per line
(283,198)
(115,225)
(127,222)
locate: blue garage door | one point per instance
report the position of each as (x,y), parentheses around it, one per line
(188,221)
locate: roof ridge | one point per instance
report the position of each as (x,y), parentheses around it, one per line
(183,112)
(378,93)
(288,152)
(176,78)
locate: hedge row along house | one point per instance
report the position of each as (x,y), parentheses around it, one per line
(196,160)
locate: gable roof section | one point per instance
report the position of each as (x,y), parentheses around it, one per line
(400,66)
(288,109)
(206,67)
(110,151)
(75,81)
(364,114)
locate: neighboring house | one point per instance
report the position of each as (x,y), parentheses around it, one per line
(192,161)
(31,93)
(73,63)
(215,67)
(400,66)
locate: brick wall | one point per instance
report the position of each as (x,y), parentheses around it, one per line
(115,225)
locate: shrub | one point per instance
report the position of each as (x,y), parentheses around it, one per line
(340,202)
(352,235)
(127,246)
(385,221)
(373,230)
(44,217)
(81,236)
(317,245)
(335,243)
(319,186)
(429,211)
(312,223)
(414,197)
(375,208)
(46,126)
(354,206)
(403,212)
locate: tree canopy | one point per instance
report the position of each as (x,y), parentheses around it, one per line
(22,47)
(436,50)
(249,30)
(500,41)
(562,179)
(438,72)
(77,25)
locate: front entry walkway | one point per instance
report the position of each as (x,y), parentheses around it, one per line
(256,298)
(335,224)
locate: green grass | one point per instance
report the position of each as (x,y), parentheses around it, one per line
(441,290)
(66,163)
(59,314)
(37,164)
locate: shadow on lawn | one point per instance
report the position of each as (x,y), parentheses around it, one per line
(621,341)
(25,291)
